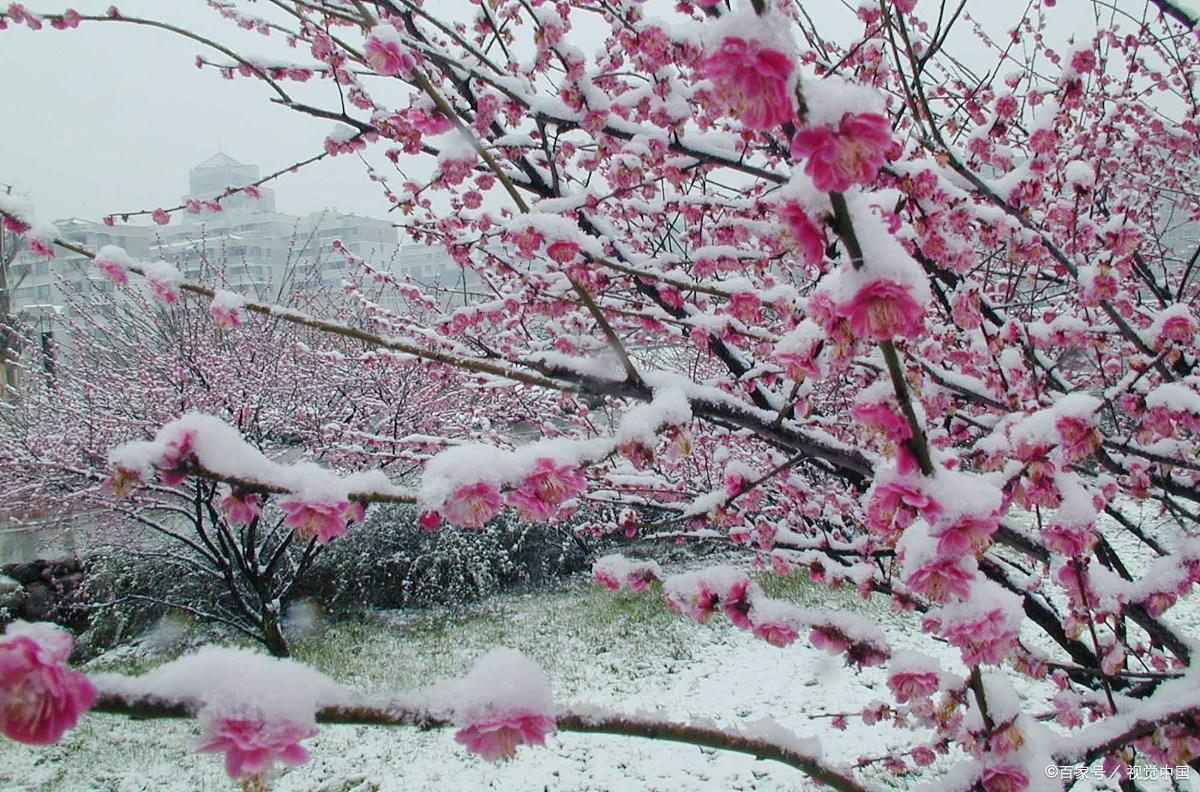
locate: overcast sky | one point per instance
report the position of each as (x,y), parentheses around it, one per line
(110,117)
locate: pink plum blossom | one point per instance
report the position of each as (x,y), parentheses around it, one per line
(497,737)
(548,485)
(1004,778)
(323,521)
(160,216)
(40,697)
(430,520)
(895,504)
(385,54)
(472,505)
(172,467)
(563,251)
(1079,439)
(1070,539)
(41,247)
(851,154)
(882,309)
(985,639)
(164,291)
(941,579)
(775,633)
(883,418)
(226,316)
(606,579)
(966,534)
(908,685)
(112,270)
(252,745)
(753,81)
(737,603)
(697,605)
(640,578)
(807,234)
(241,507)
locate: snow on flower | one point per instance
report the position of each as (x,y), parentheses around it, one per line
(548,485)
(1078,438)
(252,745)
(852,153)
(893,504)
(984,627)
(226,309)
(738,600)
(912,676)
(40,240)
(219,448)
(173,464)
(323,521)
(40,698)
(968,533)
(385,52)
(754,81)
(164,281)
(123,481)
(615,571)
(503,703)
(472,505)
(114,263)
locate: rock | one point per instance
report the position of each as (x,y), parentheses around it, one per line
(39,602)
(8,585)
(26,573)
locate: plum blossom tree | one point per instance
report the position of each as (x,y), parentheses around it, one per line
(846,298)
(125,368)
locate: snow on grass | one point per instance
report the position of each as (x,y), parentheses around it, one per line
(620,651)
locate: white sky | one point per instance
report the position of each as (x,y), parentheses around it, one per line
(110,117)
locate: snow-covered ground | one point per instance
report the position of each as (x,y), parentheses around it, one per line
(625,652)
(621,651)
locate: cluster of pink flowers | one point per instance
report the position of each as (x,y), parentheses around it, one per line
(984,639)
(753,81)
(895,504)
(40,698)
(547,486)
(252,745)
(851,154)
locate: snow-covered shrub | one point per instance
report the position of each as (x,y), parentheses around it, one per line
(390,561)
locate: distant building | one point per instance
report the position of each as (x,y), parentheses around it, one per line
(261,252)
